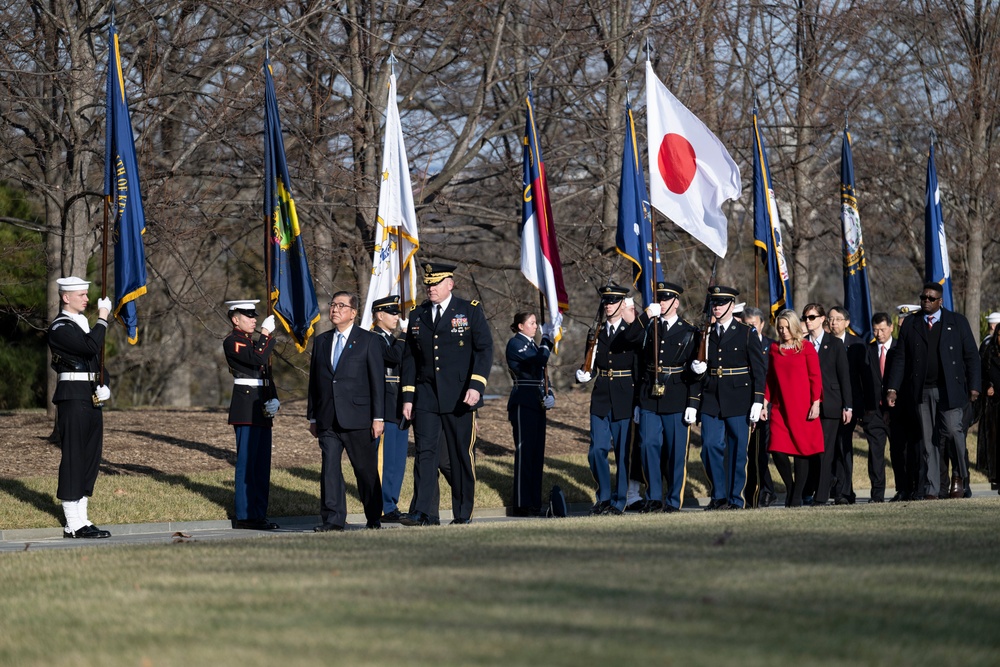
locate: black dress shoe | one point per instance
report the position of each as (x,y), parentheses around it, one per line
(520,512)
(842,501)
(328,528)
(670,509)
(459,521)
(872,501)
(255,524)
(637,506)
(614,511)
(392,517)
(90,532)
(652,507)
(600,508)
(373,525)
(418,519)
(719,504)
(765,499)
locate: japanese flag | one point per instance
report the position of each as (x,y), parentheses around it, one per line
(691,173)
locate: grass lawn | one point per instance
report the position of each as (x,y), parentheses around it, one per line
(900,584)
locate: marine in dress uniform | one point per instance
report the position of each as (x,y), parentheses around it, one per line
(669,395)
(395,438)
(446,364)
(611,401)
(251,411)
(79,396)
(732,398)
(526,408)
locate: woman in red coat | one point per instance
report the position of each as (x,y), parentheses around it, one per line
(792,394)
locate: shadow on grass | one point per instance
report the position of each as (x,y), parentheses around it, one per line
(556,424)
(575,480)
(40,501)
(210,450)
(223,497)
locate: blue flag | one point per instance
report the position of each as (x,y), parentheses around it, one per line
(857,296)
(634,239)
(936,265)
(767,227)
(121,187)
(293,296)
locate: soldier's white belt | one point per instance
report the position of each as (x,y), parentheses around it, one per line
(77,377)
(251,382)
(667,370)
(614,374)
(528,383)
(720,371)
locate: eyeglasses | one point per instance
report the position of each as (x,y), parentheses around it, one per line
(341,306)
(813,317)
(928,297)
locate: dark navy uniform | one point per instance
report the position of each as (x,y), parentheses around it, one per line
(733,383)
(441,362)
(760,486)
(395,440)
(79,421)
(664,434)
(526,413)
(248,362)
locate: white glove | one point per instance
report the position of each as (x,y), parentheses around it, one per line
(690,415)
(699,367)
(582,376)
(755,411)
(549,401)
(404,324)
(635,415)
(653,310)
(267,324)
(104,303)
(271,407)
(549,331)
(103,392)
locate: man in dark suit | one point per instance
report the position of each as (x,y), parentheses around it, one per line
(669,395)
(612,400)
(346,409)
(880,422)
(732,398)
(843,454)
(836,409)
(760,486)
(446,364)
(939,361)
(395,439)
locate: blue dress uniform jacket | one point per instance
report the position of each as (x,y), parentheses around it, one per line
(392,356)
(74,351)
(526,362)
(678,348)
(736,372)
(615,366)
(248,359)
(440,364)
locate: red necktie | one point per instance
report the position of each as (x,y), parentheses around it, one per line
(930,322)
(881,361)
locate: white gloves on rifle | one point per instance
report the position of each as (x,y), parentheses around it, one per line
(267,326)
(103,392)
(699,367)
(653,310)
(271,407)
(549,401)
(404,324)
(582,376)
(690,415)
(549,331)
(755,411)
(104,303)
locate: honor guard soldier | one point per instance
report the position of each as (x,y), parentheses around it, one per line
(385,315)
(611,399)
(446,364)
(732,398)
(79,396)
(669,395)
(251,411)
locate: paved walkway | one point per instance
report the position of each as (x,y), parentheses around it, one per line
(199,531)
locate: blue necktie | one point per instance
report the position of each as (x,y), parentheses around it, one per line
(338,349)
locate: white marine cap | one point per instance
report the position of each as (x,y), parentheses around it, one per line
(245,306)
(907,309)
(993,317)
(72,284)
(738,308)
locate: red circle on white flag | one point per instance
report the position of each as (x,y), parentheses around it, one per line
(676,161)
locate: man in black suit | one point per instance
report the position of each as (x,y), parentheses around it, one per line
(939,362)
(446,364)
(843,454)
(346,408)
(880,422)
(760,486)
(836,408)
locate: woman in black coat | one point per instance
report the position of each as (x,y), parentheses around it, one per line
(529,399)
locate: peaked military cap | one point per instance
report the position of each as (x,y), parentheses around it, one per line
(907,309)
(435,272)
(246,307)
(612,293)
(721,294)
(665,290)
(387,304)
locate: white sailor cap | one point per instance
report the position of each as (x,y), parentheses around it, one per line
(993,317)
(72,284)
(629,302)
(738,308)
(245,306)
(907,309)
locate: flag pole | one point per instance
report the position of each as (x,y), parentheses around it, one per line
(267,220)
